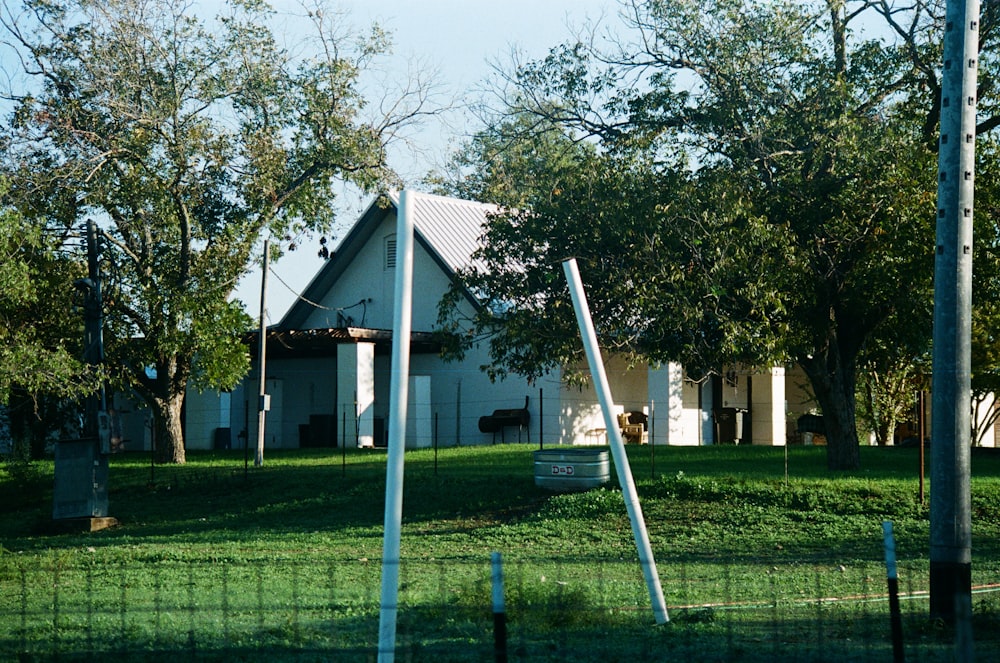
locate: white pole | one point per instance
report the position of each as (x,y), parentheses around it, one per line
(402,318)
(589,337)
(951,368)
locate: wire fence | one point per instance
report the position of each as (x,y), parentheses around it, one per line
(73,607)
(455,423)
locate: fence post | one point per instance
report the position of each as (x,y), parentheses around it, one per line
(541,412)
(499,612)
(458,413)
(651,437)
(892,577)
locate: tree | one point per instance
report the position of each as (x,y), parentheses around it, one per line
(662,277)
(187,140)
(887,393)
(514,163)
(39,351)
(805,195)
(985,380)
(985,348)
(41,367)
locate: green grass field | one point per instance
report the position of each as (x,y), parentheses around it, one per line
(761,555)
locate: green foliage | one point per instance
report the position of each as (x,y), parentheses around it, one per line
(887,395)
(40,337)
(843,498)
(758,181)
(514,163)
(480,497)
(592,504)
(186,139)
(24,482)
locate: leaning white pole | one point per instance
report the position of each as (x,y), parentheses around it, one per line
(590,346)
(398,387)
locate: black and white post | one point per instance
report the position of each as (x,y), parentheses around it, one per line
(499,611)
(892,580)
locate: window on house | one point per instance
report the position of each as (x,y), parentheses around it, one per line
(390,251)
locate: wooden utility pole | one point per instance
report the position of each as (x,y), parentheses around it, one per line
(950,549)
(93,346)
(263,404)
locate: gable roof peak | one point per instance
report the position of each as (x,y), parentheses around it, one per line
(449,229)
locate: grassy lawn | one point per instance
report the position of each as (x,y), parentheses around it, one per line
(761,554)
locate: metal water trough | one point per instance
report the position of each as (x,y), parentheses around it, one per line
(568,470)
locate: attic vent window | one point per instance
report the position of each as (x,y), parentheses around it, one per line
(390,251)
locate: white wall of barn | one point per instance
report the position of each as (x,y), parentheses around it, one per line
(453,396)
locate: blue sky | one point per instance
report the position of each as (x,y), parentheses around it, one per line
(460,40)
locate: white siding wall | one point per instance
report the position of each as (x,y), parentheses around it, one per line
(768,408)
(368,278)
(798,396)
(205,412)
(580,417)
(459,393)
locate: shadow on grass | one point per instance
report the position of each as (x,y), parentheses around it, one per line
(731,503)
(557,626)
(213,500)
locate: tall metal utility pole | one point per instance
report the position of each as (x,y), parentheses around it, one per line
(951,545)
(80,488)
(93,331)
(263,404)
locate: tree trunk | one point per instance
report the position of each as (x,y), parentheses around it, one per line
(833,383)
(886,435)
(168,429)
(165,396)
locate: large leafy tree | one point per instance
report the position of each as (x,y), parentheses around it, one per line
(663,277)
(788,153)
(186,140)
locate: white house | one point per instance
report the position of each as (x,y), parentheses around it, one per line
(328,366)
(328,362)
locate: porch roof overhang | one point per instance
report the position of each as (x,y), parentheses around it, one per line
(302,343)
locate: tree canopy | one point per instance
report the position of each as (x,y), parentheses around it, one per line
(187,139)
(39,336)
(761,189)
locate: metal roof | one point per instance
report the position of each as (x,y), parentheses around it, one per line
(452,228)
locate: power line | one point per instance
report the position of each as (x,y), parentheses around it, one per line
(299,295)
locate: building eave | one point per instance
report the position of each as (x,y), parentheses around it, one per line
(304,343)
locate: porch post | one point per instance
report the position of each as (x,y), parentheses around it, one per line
(356,391)
(666,387)
(768,407)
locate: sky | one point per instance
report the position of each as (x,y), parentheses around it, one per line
(461,40)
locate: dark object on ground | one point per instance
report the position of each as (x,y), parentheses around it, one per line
(811,423)
(501,419)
